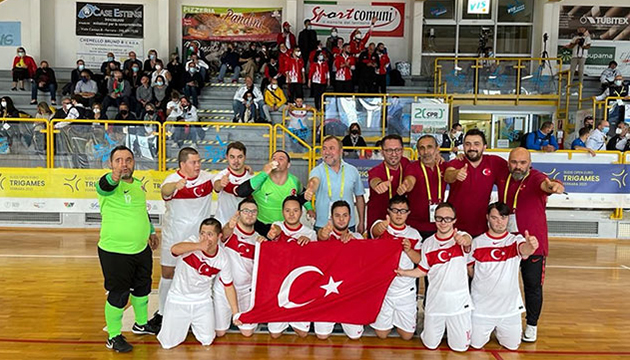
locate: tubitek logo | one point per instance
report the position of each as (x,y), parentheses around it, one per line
(604,20)
(87,11)
(72,183)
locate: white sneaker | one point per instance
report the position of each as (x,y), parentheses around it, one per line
(530,334)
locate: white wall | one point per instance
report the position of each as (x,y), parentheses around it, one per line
(23,11)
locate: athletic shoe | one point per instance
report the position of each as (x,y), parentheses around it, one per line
(119,344)
(530,333)
(156,322)
(146,329)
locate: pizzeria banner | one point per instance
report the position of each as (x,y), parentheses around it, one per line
(390,17)
(230,24)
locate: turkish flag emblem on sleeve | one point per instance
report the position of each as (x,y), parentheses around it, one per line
(321,281)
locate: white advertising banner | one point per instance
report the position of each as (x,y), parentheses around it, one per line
(428,118)
(93,50)
(347,17)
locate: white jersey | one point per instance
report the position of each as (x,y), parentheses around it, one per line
(194,273)
(240,249)
(445,261)
(495,288)
(334,235)
(402,285)
(186,208)
(227,202)
(290,234)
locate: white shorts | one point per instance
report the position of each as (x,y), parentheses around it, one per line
(401,312)
(458,327)
(223,312)
(354,332)
(279,327)
(178,318)
(166,256)
(508,331)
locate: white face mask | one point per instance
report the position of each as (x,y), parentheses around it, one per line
(457,134)
(158,67)
(320,57)
(618,82)
(618,131)
(298,53)
(3,104)
(274,86)
(334,33)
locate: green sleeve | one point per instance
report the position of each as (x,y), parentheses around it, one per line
(106,185)
(258,180)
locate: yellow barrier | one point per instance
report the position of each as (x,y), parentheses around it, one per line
(286,117)
(45,131)
(284,130)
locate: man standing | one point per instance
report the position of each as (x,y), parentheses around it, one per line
(525,192)
(332,180)
(597,139)
(307,40)
(542,139)
(228,180)
(580,45)
(343,66)
(471,181)
(187,194)
(386,178)
(453,140)
(124,249)
(286,37)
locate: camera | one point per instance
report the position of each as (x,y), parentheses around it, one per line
(580,42)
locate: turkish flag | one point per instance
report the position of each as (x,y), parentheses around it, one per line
(322,281)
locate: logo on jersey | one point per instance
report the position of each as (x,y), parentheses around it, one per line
(486,172)
(201,266)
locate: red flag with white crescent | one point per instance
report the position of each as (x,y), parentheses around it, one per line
(322,281)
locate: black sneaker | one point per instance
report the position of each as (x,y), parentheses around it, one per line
(156,322)
(146,329)
(119,344)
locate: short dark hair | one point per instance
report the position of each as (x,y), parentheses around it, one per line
(282,151)
(503,209)
(119,148)
(246,201)
(455,125)
(236,145)
(290,198)
(391,137)
(216,224)
(398,199)
(546,125)
(583,131)
(339,203)
(446,205)
(476,132)
(184,153)
(427,136)
(612,63)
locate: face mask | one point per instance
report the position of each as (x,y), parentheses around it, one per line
(150,112)
(4,104)
(109,58)
(618,131)
(192,70)
(274,86)
(606,130)
(264,49)
(298,53)
(158,67)
(67,106)
(283,50)
(354,132)
(152,57)
(618,82)
(358,36)
(81,67)
(192,48)
(135,69)
(310,27)
(21,54)
(457,134)
(97,111)
(249,100)
(159,83)
(334,34)
(320,57)
(84,78)
(124,112)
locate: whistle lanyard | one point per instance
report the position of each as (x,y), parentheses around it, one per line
(507,185)
(343,182)
(400,177)
(426,181)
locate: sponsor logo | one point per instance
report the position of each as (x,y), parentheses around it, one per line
(90,10)
(94,205)
(39,204)
(68,205)
(604,20)
(72,183)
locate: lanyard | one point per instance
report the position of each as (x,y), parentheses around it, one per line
(426,181)
(507,185)
(343,183)
(400,177)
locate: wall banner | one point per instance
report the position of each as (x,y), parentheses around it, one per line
(347,17)
(428,118)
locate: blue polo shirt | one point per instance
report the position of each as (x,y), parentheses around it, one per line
(577,142)
(353,186)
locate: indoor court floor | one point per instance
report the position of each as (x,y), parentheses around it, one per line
(52,300)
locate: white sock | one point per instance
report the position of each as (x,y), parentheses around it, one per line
(165,285)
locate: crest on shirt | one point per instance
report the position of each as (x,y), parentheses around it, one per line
(486,172)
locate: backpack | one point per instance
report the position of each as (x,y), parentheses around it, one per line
(523,139)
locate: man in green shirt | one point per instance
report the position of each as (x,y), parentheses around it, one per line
(124,249)
(270,187)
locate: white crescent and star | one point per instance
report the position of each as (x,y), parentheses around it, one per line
(195,192)
(486,171)
(496,257)
(439,256)
(285,288)
(243,245)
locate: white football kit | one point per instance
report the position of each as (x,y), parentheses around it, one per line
(227,200)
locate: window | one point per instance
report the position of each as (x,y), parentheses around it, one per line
(439,38)
(467,16)
(470,39)
(439,9)
(512,11)
(514,39)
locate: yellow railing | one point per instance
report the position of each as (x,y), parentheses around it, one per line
(313,117)
(6,124)
(284,131)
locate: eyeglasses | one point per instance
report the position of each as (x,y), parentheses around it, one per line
(399,211)
(444,220)
(392,151)
(249,212)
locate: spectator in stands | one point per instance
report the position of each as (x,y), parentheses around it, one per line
(376,154)
(7,109)
(230,62)
(274,99)
(149,63)
(44,111)
(118,91)
(333,39)
(609,74)
(542,139)
(45,81)
(99,114)
(294,73)
(619,142)
(286,37)
(84,113)
(368,66)
(75,77)
(381,72)
(580,45)
(616,89)
(298,124)
(353,139)
(110,65)
(134,75)
(344,65)
(580,142)
(395,122)
(151,114)
(320,49)
(248,61)
(67,111)
(272,71)
(189,114)
(589,122)
(144,95)
(283,57)
(124,114)
(160,71)
(177,70)
(318,79)
(193,83)
(23,68)
(160,93)
(338,48)
(174,108)
(358,41)
(453,140)
(263,58)
(238,103)
(201,66)
(251,109)
(129,64)
(597,139)
(307,40)
(86,88)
